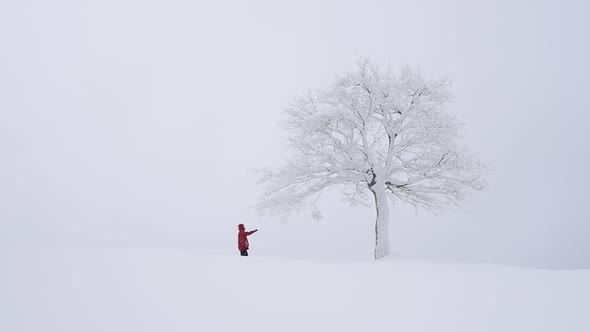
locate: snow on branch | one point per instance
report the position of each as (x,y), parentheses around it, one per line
(373,128)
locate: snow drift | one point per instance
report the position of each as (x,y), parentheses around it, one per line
(72,289)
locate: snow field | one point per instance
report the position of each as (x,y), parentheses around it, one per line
(72,289)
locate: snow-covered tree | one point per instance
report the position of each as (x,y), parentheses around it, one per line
(376,131)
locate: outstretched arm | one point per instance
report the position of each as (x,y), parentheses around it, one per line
(251,232)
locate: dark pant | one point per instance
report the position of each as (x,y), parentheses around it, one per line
(244,253)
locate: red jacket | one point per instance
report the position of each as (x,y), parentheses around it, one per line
(243,238)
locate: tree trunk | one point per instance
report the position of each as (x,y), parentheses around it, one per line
(382,220)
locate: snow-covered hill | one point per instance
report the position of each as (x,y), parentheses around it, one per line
(79,289)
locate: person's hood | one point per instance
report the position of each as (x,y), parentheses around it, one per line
(241,227)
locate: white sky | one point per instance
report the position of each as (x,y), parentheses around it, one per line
(138,122)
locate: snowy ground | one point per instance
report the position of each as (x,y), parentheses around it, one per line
(74,289)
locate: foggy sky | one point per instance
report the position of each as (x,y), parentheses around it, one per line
(138,123)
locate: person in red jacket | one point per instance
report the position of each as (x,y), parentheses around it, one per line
(243,244)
